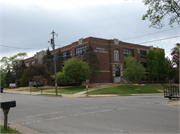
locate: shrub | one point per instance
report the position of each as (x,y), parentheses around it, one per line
(69,83)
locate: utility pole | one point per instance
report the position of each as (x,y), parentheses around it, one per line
(53,47)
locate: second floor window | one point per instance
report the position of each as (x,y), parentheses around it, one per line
(142,54)
(116,55)
(80,51)
(127,51)
(67,55)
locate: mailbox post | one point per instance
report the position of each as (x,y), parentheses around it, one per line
(6,107)
(87,81)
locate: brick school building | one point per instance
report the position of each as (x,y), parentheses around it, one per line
(110,53)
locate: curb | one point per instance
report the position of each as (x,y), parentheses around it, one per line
(173,103)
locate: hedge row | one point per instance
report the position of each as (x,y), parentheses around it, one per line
(69,84)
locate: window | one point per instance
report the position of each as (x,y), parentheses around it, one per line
(127,51)
(80,51)
(117,70)
(27,64)
(142,54)
(39,61)
(67,55)
(116,55)
(18,66)
(32,62)
(144,64)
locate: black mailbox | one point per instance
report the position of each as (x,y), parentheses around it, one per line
(6,107)
(8,104)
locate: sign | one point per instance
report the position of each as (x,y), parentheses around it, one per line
(100,50)
(12,85)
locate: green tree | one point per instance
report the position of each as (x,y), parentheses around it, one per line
(3,74)
(59,61)
(35,70)
(61,77)
(47,60)
(9,62)
(90,57)
(175,54)
(133,71)
(172,73)
(162,67)
(19,71)
(159,9)
(9,78)
(76,70)
(152,64)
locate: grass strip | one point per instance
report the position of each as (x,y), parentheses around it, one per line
(174,100)
(50,95)
(9,130)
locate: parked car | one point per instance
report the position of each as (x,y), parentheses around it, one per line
(1,89)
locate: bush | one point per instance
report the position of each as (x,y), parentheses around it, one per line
(69,83)
(22,85)
(38,85)
(52,83)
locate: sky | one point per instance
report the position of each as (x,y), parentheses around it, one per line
(26,26)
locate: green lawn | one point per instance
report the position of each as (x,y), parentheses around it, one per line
(9,130)
(68,90)
(126,90)
(174,100)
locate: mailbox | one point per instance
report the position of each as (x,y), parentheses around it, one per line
(6,107)
(8,104)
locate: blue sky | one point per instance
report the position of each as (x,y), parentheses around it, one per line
(26,26)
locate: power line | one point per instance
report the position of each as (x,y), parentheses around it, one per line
(20,47)
(159,39)
(149,34)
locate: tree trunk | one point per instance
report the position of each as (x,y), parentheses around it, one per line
(130,84)
(170,82)
(76,83)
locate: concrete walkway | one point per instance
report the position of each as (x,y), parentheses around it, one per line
(20,128)
(77,95)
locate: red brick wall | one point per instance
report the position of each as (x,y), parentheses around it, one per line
(104,49)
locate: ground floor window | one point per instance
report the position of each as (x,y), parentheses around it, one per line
(117,70)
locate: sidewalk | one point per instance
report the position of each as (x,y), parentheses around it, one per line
(76,95)
(20,128)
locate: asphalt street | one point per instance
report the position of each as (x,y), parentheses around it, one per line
(111,115)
